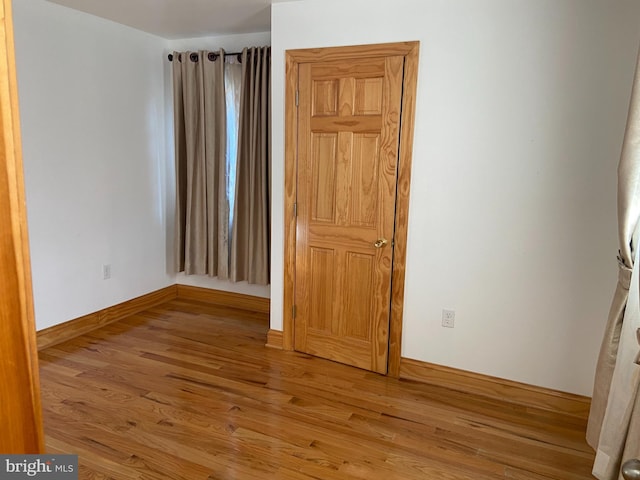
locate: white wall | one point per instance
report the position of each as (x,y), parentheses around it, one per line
(96,112)
(230,43)
(92,110)
(521,111)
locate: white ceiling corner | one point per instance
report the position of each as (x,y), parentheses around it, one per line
(182,18)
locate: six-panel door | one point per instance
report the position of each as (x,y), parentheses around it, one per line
(348,136)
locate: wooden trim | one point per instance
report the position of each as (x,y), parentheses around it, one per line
(274,339)
(410,50)
(306,55)
(20,408)
(517,393)
(225,299)
(402,208)
(290,196)
(74,328)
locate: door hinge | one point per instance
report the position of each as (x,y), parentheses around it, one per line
(293,311)
(295,209)
(297,97)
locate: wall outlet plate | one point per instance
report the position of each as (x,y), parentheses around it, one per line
(448,318)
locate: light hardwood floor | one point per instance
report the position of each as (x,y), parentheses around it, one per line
(188,391)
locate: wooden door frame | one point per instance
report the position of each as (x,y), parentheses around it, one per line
(20,409)
(293,59)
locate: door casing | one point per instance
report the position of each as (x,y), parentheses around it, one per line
(20,407)
(409,50)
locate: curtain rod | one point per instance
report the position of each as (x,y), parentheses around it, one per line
(212,56)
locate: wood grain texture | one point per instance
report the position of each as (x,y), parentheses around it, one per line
(20,410)
(188,391)
(73,328)
(521,394)
(346,189)
(307,55)
(274,339)
(405,158)
(290,191)
(294,58)
(225,299)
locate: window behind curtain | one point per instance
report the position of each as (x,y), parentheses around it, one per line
(232,85)
(222,164)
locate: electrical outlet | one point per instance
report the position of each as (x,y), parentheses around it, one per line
(448,318)
(106,271)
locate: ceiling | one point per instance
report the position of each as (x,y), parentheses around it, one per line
(182,18)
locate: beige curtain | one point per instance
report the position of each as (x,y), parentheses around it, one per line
(250,236)
(614,421)
(202,208)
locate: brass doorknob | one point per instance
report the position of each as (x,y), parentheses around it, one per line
(631,470)
(381,242)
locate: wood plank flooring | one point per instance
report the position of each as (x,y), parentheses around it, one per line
(188,391)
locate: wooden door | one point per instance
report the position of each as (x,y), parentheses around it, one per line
(20,413)
(348,137)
